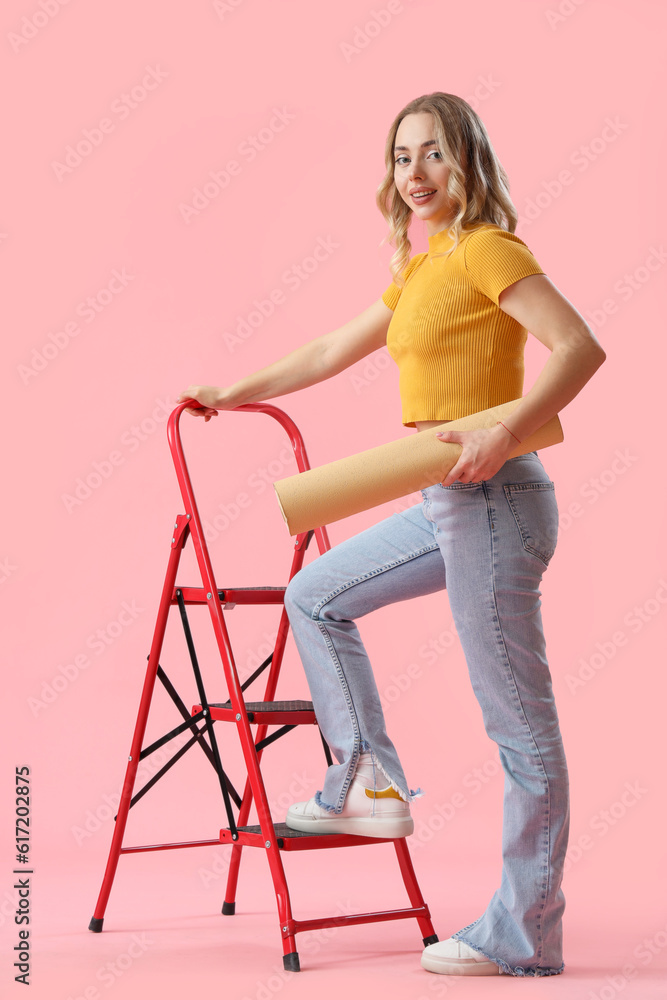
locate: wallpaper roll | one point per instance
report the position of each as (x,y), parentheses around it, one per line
(359,482)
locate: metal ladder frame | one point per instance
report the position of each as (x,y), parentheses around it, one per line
(272,837)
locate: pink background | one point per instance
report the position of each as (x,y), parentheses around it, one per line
(547,78)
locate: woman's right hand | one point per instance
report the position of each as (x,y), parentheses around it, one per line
(210,396)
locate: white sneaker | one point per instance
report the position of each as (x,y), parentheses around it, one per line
(366,813)
(455,958)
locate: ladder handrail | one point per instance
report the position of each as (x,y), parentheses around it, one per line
(183,475)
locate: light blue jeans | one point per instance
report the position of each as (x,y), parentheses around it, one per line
(488,544)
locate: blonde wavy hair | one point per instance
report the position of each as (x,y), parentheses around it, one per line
(478,184)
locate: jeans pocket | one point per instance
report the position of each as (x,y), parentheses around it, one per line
(535,512)
(460,486)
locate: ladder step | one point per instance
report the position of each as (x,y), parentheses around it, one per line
(296,713)
(232,595)
(294,840)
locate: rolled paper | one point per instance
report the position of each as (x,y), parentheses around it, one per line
(345,487)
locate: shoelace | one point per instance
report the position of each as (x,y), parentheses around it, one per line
(374,783)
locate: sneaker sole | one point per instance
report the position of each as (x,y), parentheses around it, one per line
(459,966)
(356,826)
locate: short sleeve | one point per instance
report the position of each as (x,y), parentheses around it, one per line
(392,294)
(495,259)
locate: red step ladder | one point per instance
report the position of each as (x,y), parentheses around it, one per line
(271,837)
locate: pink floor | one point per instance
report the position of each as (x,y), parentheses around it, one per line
(164,934)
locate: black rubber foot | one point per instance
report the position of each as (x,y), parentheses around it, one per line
(95,924)
(228,909)
(433,939)
(291,962)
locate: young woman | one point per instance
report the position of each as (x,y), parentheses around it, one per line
(455,320)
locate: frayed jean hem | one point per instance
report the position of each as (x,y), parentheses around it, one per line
(323,805)
(517,970)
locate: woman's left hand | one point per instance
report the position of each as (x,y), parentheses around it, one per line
(483,453)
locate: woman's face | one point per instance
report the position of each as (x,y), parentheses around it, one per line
(419,167)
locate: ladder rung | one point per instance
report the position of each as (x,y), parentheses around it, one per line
(297,713)
(294,840)
(232,595)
